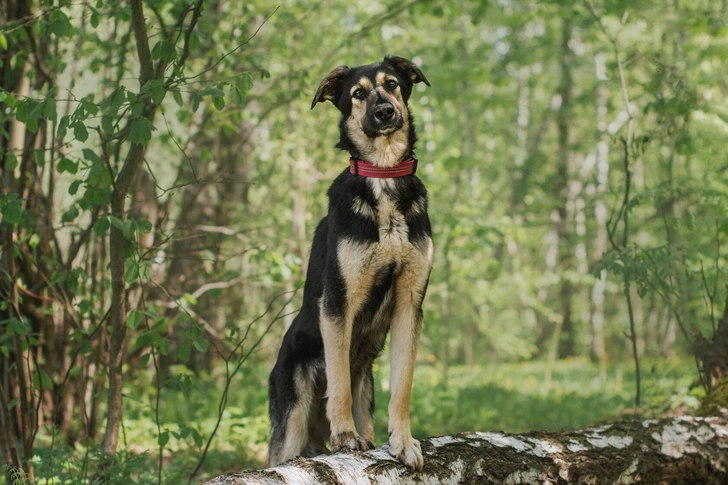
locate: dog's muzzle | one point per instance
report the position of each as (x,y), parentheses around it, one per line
(384,113)
(383,119)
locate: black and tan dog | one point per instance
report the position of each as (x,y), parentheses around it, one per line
(368,272)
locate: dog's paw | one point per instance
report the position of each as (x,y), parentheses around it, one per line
(407,450)
(350,441)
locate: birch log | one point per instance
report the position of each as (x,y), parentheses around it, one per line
(678,450)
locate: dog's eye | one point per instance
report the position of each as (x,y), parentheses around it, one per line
(391,85)
(359,94)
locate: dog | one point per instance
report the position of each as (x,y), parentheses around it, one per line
(368,272)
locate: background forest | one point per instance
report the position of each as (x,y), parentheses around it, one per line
(162,175)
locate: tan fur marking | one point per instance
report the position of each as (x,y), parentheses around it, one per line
(406,330)
(297,422)
(362,208)
(355,261)
(418,207)
(363,420)
(337,343)
(358,261)
(364,83)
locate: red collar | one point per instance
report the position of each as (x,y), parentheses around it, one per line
(366,169)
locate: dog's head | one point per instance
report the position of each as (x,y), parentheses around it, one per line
(373,103)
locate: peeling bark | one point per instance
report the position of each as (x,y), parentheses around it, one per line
(684,449)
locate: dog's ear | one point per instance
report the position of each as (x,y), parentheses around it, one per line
(327,88)
(408,69)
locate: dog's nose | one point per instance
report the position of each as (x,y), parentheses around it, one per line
(384,112)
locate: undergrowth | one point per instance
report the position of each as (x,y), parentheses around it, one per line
(503,397)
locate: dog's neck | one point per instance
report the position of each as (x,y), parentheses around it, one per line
(384,151)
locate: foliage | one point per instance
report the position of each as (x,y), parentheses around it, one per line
(715,402)
(158,203)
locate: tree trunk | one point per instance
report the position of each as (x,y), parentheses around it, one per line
(684,449)
(564,226)
(713,354)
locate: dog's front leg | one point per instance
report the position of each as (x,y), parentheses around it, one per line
(336,333)
(406,330)
(347,284)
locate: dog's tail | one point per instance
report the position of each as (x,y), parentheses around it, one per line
(277,424)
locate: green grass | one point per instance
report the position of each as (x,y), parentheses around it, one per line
(513,397)
(504,397)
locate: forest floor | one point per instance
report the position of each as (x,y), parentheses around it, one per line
(499,397)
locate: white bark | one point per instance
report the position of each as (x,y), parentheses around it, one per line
(685,449)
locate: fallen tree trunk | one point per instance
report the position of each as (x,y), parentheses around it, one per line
(685,449)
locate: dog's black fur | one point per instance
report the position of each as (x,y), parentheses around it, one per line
(368,271)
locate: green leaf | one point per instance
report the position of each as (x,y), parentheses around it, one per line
(40,158)
(59,24)
(63,126)
(117,98)
(46,380)
(10,100)
(245,82)
(20,327)
(11,208)
(235,95)
(79,131)
(133,319)
(213,91)
(67,165)
(184,350)
(91,156)
(196,98)
(70,214)
(219,102)
(141,131)
(132,271)
(163,438)
(164,347)
(107,124)
(85,348)
(33,241)
(117,223)
(200,345)
(101,226)
(3,43)
(157,91)
(165,51)
(177,97)
(49,109)
(73,188)
(28,112)
(11,161)
(144,226)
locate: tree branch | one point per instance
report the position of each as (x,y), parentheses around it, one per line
(685,449)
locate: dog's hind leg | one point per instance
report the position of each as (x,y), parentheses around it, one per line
(363,405)
(319,430)
(289,437)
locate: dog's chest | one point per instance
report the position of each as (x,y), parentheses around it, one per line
(385,211)
(391,222)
